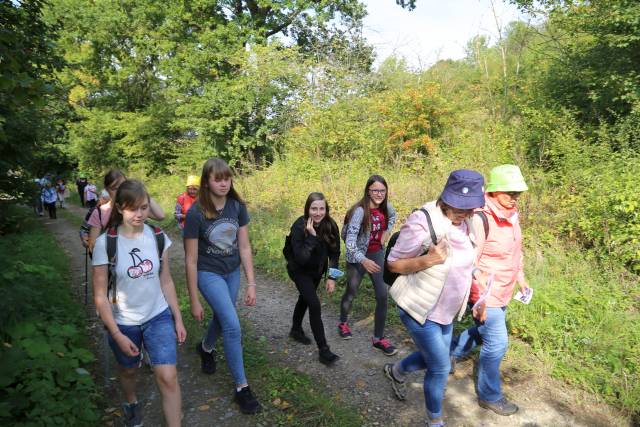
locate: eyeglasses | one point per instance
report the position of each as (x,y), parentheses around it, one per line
(381,192)
(513,194)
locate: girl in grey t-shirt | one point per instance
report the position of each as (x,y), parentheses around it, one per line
(216,242)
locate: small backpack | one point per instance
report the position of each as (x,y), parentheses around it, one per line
(287,250)
(390,277)
(112,248)
(85,228)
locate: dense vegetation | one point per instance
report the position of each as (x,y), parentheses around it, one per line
(44,352)
(285,90)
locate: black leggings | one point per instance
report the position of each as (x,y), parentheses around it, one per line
(355,274)
(51,208)
(307,285)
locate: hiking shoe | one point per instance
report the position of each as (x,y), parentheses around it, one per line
(344,331)
(299,336)
(246,401)
(385,346)
(399,387)
(207,360)
(132,414)
(431,423)
(500,407)
(326,357)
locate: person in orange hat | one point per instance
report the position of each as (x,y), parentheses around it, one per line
(186,199)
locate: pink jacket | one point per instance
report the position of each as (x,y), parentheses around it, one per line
(500,253)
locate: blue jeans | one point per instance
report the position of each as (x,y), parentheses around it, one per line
(433,341)
(159,337)
(492,335)
(221,292)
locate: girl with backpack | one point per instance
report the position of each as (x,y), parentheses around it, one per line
(136,300)
(216,242)
(367,226)
(100,215)
(499,253)
(314,246)
(434,255)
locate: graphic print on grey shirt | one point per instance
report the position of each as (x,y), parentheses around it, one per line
(218,250)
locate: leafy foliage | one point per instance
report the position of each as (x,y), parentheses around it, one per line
(31,115)
(44,351)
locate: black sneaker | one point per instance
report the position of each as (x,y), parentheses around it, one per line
(247,402)
(299,336)
(326,357)
(207,360)
(500,407)
(132,414)
(399,387)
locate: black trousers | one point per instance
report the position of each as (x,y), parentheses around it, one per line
(51,208)
(307,285)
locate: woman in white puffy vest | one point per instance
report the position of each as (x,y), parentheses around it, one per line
(434,283)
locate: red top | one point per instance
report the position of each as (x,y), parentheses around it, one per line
(377,224)
(185,201)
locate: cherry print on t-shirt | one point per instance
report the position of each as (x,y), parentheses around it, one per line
(139,266)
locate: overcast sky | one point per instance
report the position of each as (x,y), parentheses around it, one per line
(435,29)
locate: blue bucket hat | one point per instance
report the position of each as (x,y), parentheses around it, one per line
(464,190)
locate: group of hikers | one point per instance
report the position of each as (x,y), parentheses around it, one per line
(463,249)
(51,192)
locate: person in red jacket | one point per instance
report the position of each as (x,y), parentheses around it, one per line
(186,199)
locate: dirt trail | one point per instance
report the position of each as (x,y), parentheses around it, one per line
(356,378)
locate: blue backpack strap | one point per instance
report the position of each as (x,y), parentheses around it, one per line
(112,256)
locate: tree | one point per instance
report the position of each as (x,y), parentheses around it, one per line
(31,118)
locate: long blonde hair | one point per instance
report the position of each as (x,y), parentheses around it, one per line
(219,169)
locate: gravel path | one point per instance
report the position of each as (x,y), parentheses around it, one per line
(356,378)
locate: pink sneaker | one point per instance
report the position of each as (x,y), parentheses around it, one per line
(385,346)
(344,331)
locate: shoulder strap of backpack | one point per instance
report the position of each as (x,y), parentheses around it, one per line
(159,236)
(485,222)
(434,237)
(112,256)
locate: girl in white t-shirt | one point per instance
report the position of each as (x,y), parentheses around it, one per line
(143,307)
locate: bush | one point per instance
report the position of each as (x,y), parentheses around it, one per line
(42,376)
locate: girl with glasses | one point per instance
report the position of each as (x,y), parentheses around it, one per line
(367,225)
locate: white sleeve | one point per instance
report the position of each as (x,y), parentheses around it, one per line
(99,256)
(167,243)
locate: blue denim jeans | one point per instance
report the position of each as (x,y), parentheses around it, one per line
(221,292)
(159,337)
(433,341)
(492,335)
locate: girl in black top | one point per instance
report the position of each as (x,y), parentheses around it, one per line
(315,245)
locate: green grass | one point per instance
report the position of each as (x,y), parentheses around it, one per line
(43,380)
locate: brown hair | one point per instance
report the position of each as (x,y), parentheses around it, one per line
(219,169)
(130,195)
(327,229)
(364,203)
(112,176)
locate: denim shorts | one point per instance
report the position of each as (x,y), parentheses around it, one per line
(158,336)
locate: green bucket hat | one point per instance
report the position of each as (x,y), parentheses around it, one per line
(506,178)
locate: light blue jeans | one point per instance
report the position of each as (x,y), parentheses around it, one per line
(433,341)
(221,292)
(492,335)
